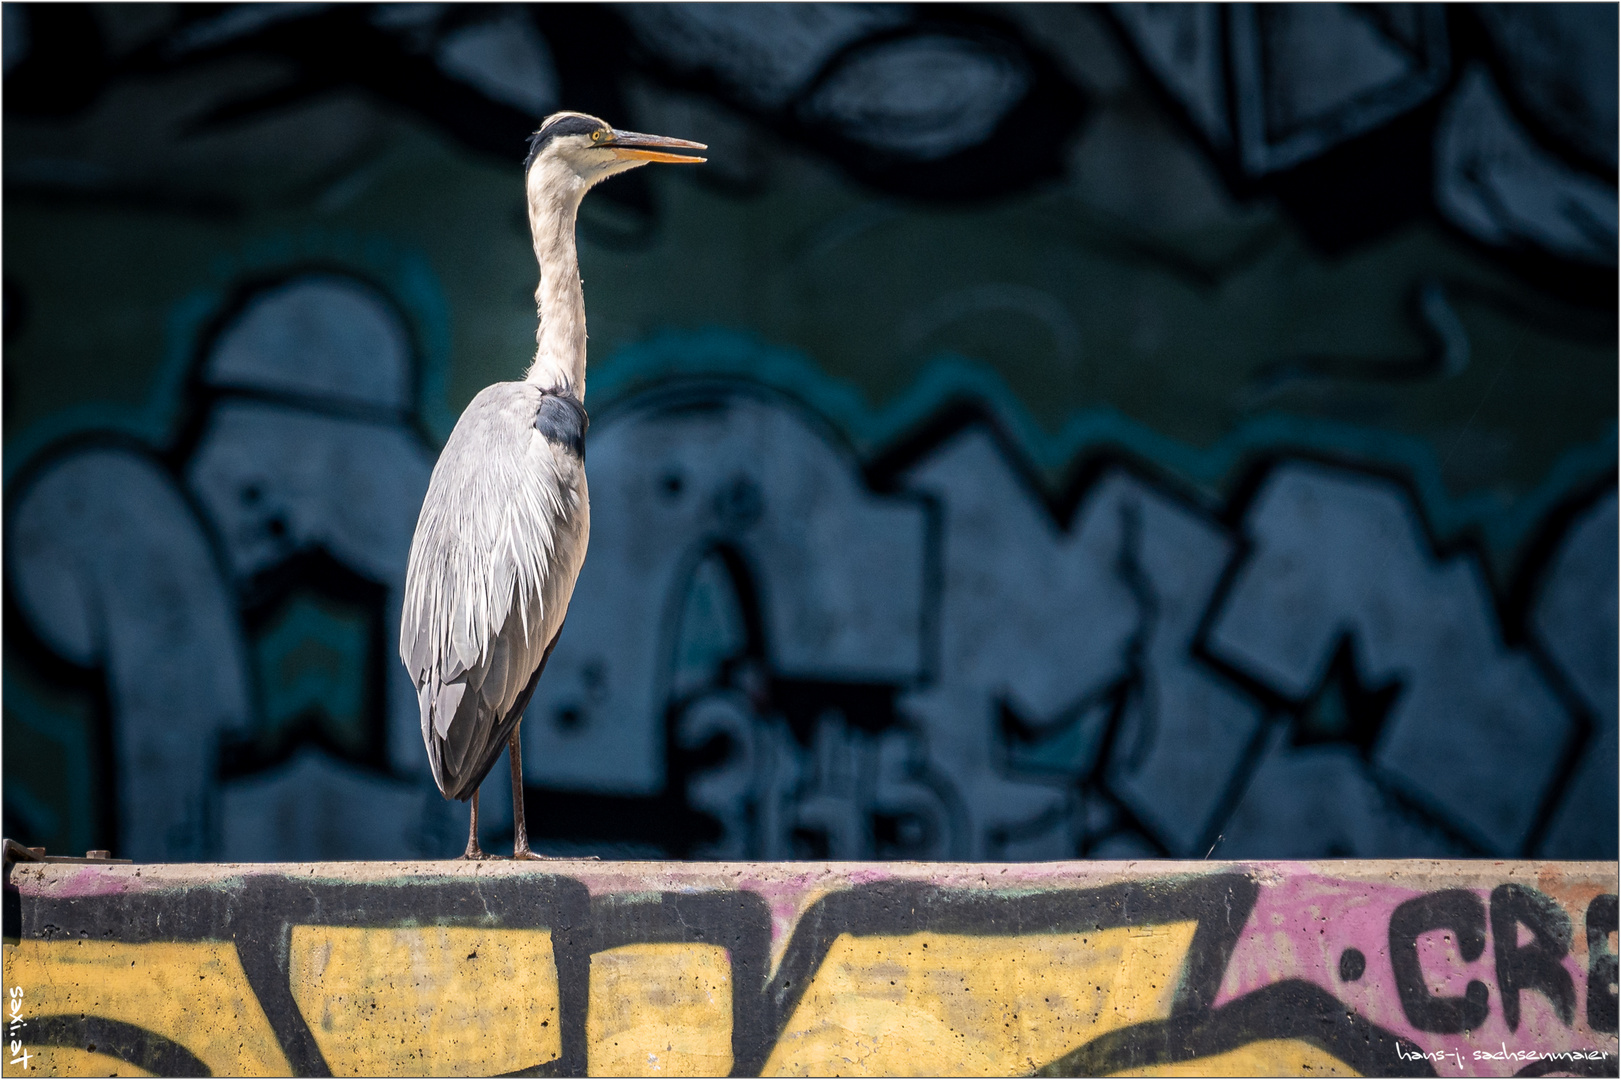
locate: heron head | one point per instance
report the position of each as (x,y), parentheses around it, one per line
(574,146)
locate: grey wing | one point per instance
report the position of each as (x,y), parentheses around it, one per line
(493,562)
(468,720)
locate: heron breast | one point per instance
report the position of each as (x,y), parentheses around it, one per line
(561,420)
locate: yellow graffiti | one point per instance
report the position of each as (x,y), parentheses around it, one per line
(427,1001)
(1268,1057)
(72,1061)
(194,993)
(960,1005)
(660,1010)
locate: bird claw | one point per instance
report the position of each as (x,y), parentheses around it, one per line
(474,855)
(525,855)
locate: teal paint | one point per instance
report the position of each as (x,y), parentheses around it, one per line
(310,661)
(1504,524)
(405,276)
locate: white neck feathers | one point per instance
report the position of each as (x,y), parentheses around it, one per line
(554,192)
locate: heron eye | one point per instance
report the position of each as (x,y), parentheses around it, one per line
(596,136)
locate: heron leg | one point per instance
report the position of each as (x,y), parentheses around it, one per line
(520,831)
(473,852)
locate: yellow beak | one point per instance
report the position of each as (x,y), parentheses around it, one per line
(633,146)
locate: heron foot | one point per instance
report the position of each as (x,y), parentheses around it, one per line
(523,854)
(474,853)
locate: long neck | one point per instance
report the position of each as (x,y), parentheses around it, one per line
(559,364)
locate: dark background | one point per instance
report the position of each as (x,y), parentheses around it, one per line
(1038,432)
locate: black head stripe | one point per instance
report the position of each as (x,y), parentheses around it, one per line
(562,421)
(565,125)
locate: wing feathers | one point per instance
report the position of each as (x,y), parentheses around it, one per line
(493,562)
(445,706)
(473,714)
(464,651)
(484,721)
(494,690)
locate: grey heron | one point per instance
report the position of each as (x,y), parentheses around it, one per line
(504,525)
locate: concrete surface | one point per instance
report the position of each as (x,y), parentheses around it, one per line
(620,968)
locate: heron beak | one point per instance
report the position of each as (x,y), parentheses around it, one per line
(632,146)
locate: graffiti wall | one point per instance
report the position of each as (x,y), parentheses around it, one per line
(1039,432)
(605,969)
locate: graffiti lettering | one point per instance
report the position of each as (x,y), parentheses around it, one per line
(1601,963)
(1536,965)
(1462,913)
(798,969)
(959,555)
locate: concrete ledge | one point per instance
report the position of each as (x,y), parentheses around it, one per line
(1077,968)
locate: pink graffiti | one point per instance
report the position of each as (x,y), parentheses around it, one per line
(1303,925)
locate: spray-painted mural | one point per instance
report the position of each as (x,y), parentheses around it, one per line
(1038,432)
(1345,968)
